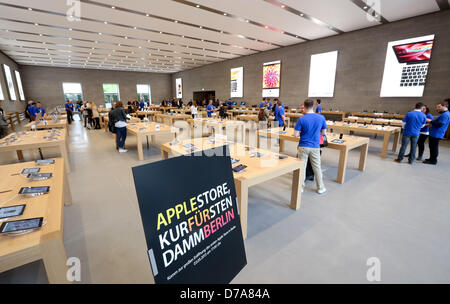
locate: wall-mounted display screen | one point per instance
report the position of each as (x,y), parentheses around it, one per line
(406,67)
(9,82)
(237,82)
(2,97)
(322,74)
(271,79)
(179,87)
(19,85)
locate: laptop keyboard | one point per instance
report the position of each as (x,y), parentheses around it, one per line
(414,75)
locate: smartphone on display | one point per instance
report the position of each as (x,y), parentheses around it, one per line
(20,225)
(233,161)
(34,191)
(338,141)
(11,211)
(27,171)
(341,136)
(39,176)
(45,162)
(239,168)
(282,156)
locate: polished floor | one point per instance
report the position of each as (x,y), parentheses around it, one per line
(396,212)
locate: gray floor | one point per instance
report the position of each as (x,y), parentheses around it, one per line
(396,212)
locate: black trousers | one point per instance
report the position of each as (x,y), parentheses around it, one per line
(421,144)
(69,117)
(433,143)
(97,122)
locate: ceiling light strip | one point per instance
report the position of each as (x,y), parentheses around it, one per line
(304,15)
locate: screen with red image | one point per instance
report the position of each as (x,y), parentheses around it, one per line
(413,52)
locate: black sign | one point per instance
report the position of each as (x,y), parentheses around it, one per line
(191,221)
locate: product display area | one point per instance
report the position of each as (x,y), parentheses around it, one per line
(209,143)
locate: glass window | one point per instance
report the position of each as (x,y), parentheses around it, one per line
(19,85)
(72,91)
(9,82)
(144,93)
(1,93)
(111,94)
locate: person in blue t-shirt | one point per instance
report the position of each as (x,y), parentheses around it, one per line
(437,131)
(424,132)
(141,105)
(279,113)
(31,110)
(229,104)
(413,122)
(263,103)
(210,108)
(69,110)
(310,127)
(319,107)
(39,110)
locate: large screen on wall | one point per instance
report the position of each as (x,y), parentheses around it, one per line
(271,79)
(322,74)
(1,93)
(237,82)
(9,82)
(406,67)
(179,85)
(19,85)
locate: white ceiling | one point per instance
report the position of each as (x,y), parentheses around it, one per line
(174,35)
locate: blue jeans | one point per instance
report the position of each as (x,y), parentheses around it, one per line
(405,141)
(121,136)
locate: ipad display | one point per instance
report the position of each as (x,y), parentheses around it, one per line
(13,226)
(34,190)
(11,211)
(27,171)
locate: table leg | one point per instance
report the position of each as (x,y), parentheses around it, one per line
(342,166)
(363,157)
(164,154)
(139,147)
(65,155)
(242,195)
(281,145)
(66,190)
(20,155)
(296,194)
(11,121)
(385,145)
(148,145)
(395,143)
(54,257)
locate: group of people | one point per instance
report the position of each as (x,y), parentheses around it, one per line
(418,126)
(174,102)
(135,105)
(91,116)
(33,110)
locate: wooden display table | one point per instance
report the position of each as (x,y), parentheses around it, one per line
(171,118)
(145,129)
(259,170)
(236,112)
(351,142)
(339,114)
(48,124)
(35,140)
(147,113)
(46,243)
(374,121)
(386,132)
(378,115)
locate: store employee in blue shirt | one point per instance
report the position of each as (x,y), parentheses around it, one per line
(210,108)
(39,109)
(279,113)
(413,122)
(310,127)
(69,110)
(437,131)
(319,107)
(141,105)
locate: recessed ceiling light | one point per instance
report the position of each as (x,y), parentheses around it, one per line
(176,21)
(126,37)
(282,6)
(160,32)
(99,33)
(365,7)
(36,24)
(113,7)
(247,21)
(301,14)
(200,26)
(224,14)
(105,22)
(147,15)
(135,28)
(198,5)
(30,9)
(266,26)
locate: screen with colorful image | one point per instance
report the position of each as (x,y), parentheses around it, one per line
(406,67)
(179,86)
(237,82)
(271,79)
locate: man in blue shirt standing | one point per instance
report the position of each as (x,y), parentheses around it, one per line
(437,131)
(279,113)
(69,110)
(263,103)
(319,107)
(210,108)
(310,127)
(413,122)
(141,105)
(32,111)
(39,109)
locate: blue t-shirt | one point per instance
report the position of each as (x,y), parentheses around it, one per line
(39,110)
(310,126)
(439,132)
(262,104)
(68,106)
(270,106)
(426,129)
(208,108)
(319,109)
(414,121)
(279,113)
(141,105)
(32,111)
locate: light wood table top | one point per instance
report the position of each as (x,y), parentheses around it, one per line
(47,242)
(35,140)
(48,124)
(350,143)
(378,115)
(374,121)
(259,169)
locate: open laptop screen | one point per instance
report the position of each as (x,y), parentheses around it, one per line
(417,52)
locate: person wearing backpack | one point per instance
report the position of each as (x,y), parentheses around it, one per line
(119,118)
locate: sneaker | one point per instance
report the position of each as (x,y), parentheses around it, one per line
(419,158)
(398,160)
(122,150)
(429,162)
(322,191)
(410,162)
